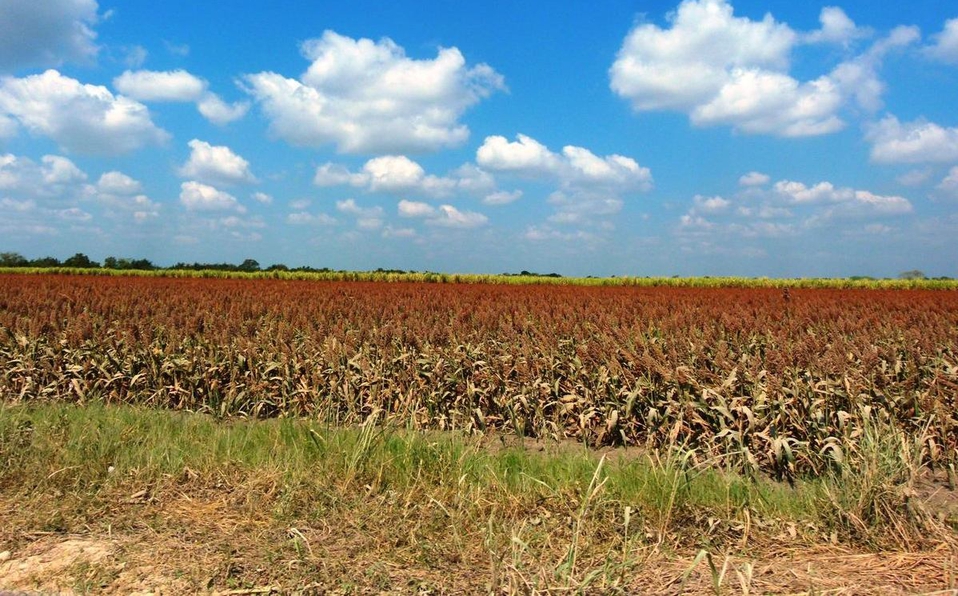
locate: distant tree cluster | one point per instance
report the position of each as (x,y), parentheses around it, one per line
(525,273)
(79,261)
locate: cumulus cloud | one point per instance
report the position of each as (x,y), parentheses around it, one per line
(575,166)
(8,127)
(588,185)
(502,197)
(262,197)
(125,194)
(367,218)
(911,142)
(797,193)
(525,155)
(723,69)
(714,204)
(545,232)
(398,173)
(118,183)
(304,218)
(444,215)
(369,97)
(949,186)
(836,28)
(391,232)
(196,196)
(945,46)
(448,216)
(55,177)
(179,86)
(54,189)
(415,209)
(216,165)
(786,209)
(915,177)
(46,33)
(754,179)
(80,118)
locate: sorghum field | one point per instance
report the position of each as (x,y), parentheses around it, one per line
(271,435)
(773,381)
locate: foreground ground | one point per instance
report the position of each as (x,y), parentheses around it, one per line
(121,500)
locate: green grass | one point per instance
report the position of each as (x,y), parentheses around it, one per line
(95,447)
(519,514)
(430,277)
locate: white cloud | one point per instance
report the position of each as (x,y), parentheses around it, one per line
(398,173)
(135,56)
(858,78)
(367,218)
(55,189)
(216,165)
(300,204)
(589,186)
(415,209)
(723,69)
(945,46)
(80,118)
(180,50)
(797,193)
(448,216)
(219,112)
(301,218)
(915,177)
(878,229)
(54,178)
(714,204)
(911,142)
(502,197)
(392,173)
(46,33)
(196,196)
(179,86)
(754,179)
(122,193)
(147,85)
(764,102)
(118,183)
(8,127)
(391,232)
(525,155)
(262,197)
(836,28)
(575,166)
(949,186)
(369,97)
(443,215)
(543,233)
(687,64)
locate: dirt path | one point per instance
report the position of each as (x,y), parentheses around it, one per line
(153,564)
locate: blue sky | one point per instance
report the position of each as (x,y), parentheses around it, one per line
(706,137)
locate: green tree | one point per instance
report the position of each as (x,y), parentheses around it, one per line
(913,274)
(80,261)
(45,262)
(249,265)
(13,259)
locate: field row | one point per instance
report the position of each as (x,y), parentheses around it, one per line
(788,383)
(524,278)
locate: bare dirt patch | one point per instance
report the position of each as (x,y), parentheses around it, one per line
(208,542)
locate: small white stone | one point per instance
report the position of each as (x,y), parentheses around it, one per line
(110,470)
(4,556)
